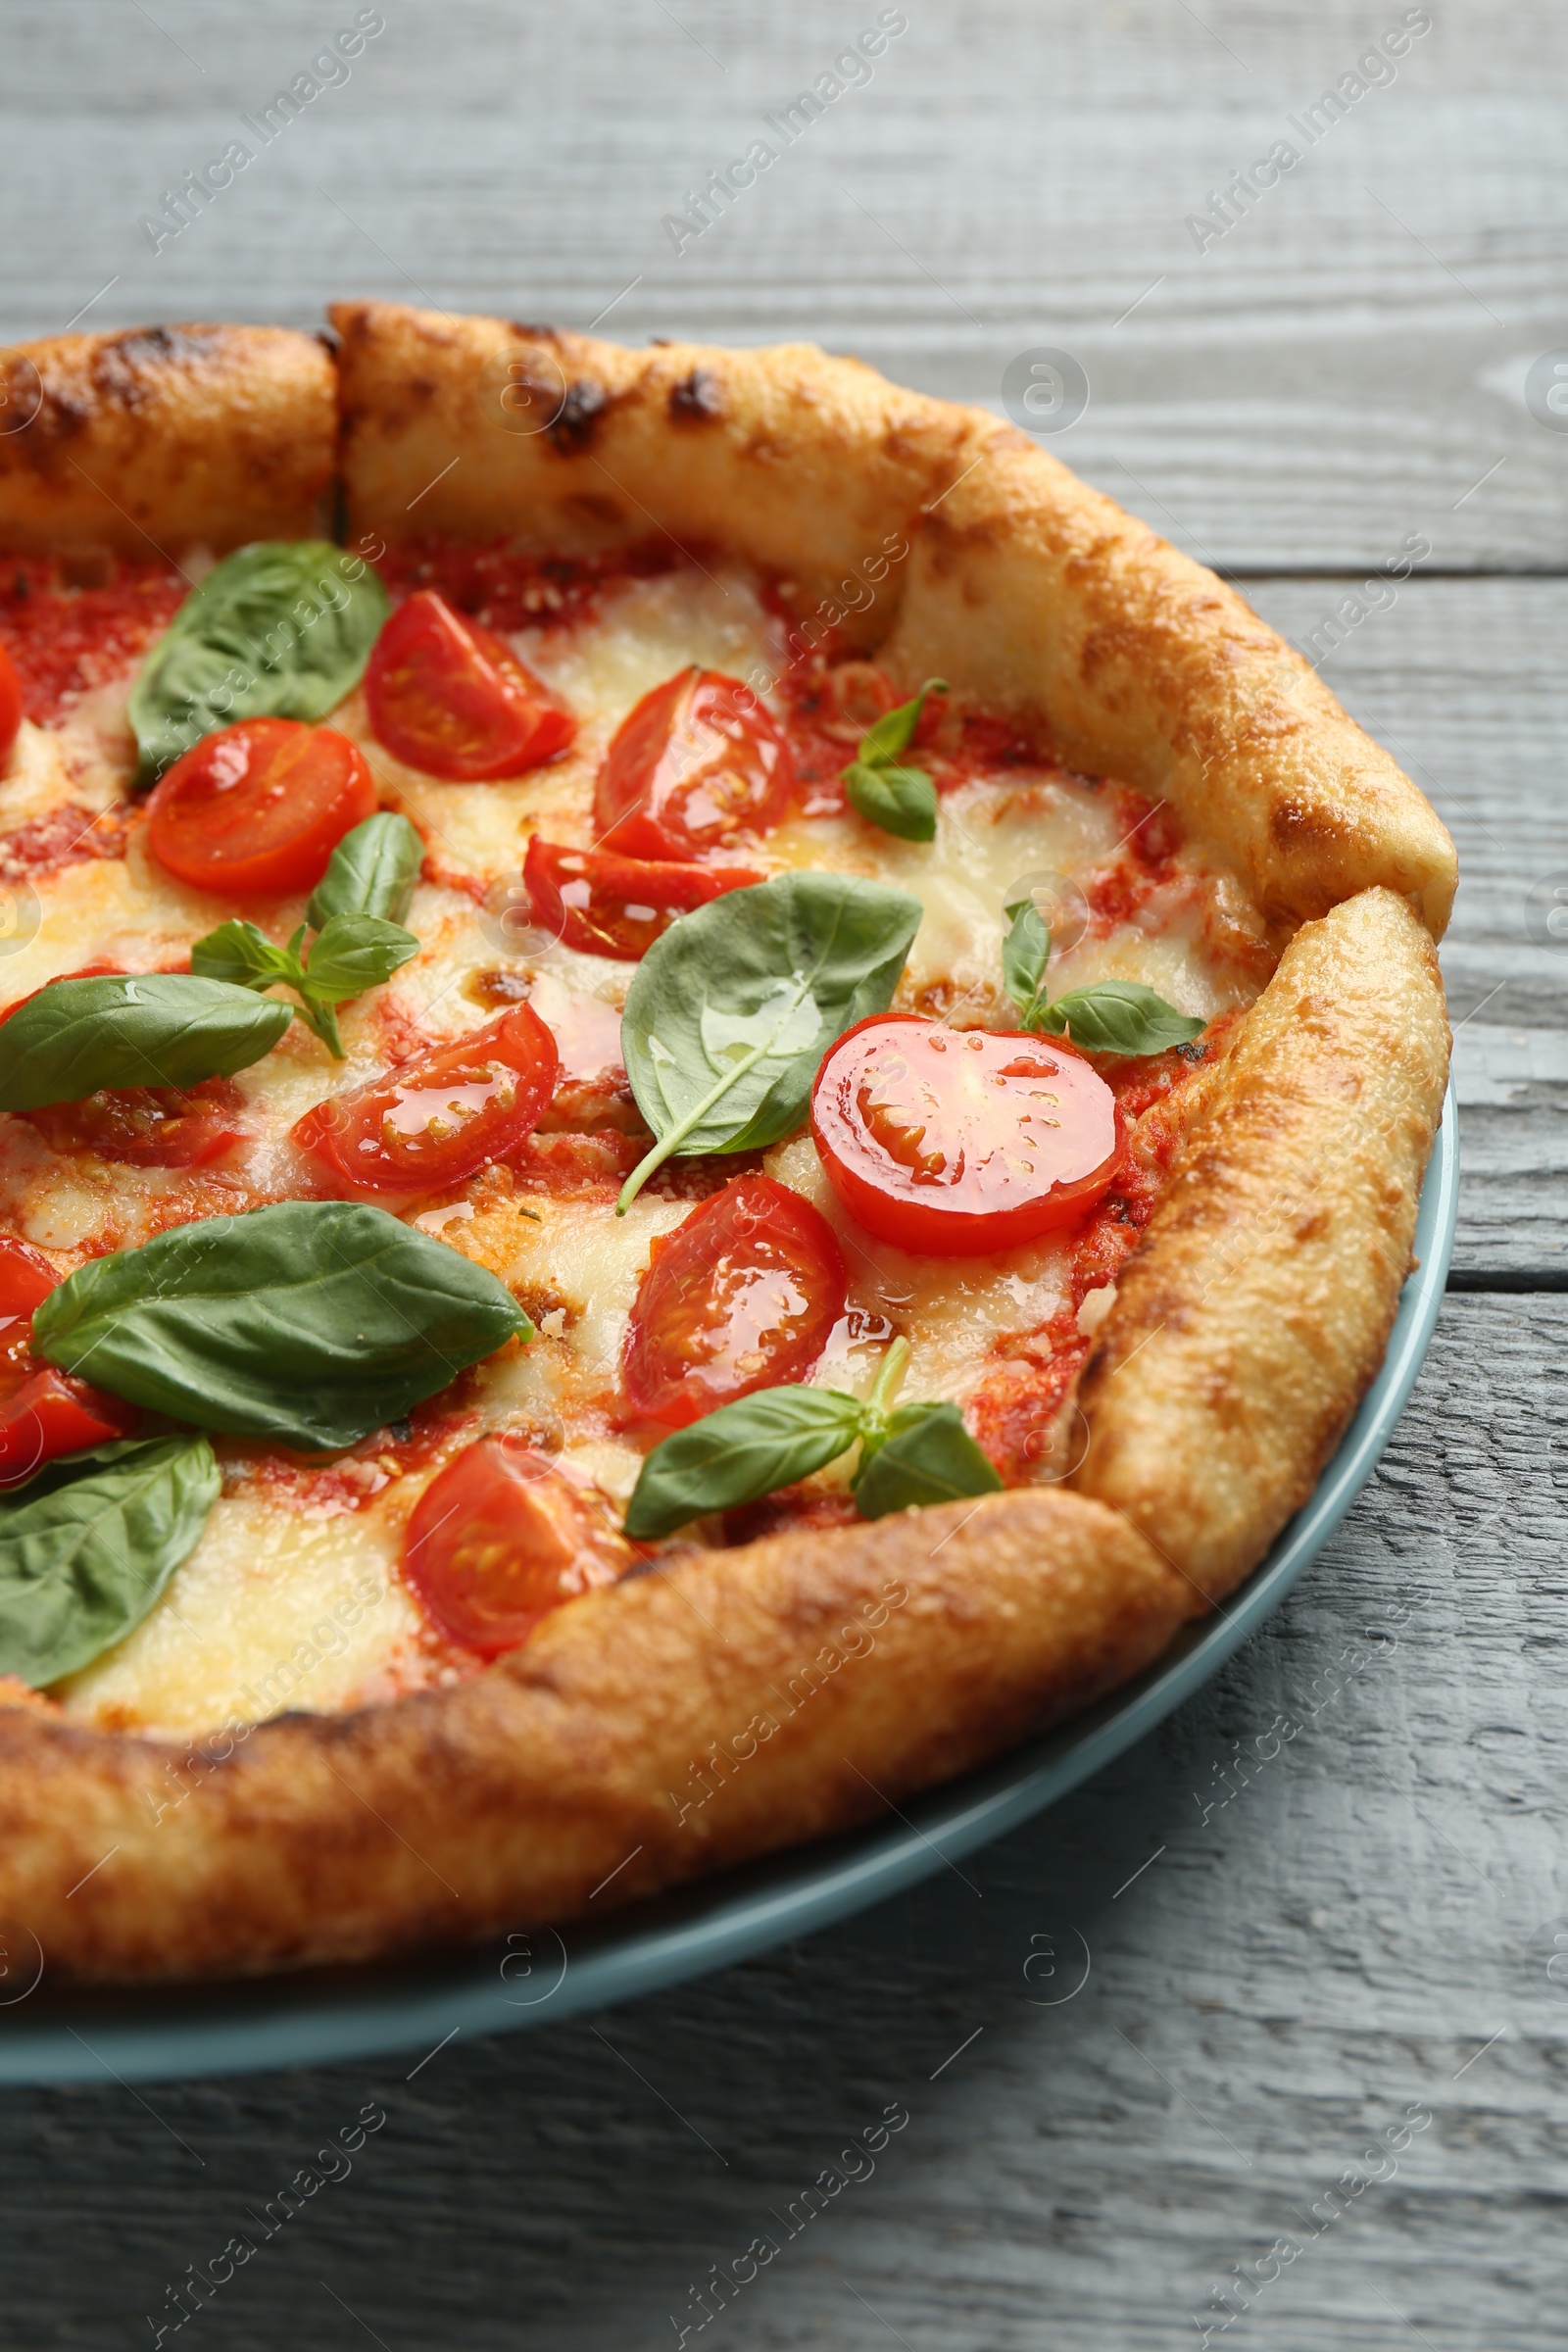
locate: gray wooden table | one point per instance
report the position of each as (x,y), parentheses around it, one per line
(1326,1902)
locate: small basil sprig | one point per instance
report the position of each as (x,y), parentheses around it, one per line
(280,629)
(372,870)
(131,1029)
(312,1322)
(730,1014)
(926,1457)
(88,1544)
(915,1456)
(1108,1017)
(901,799)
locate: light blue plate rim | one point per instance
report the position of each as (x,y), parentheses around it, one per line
(324,2019)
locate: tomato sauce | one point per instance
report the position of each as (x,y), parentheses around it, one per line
(67,635)
(67,835)
(502,588)
(1015,1406)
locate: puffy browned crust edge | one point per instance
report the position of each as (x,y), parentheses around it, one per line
(160,439)
(1025,588)
(1251,1319)
(730,1705)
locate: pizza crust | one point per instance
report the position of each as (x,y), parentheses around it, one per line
(1251,1322)
(163,438)
(733,1703)
(1019,584)
(566,1777)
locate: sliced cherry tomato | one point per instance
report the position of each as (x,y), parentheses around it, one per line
(50,1414)
(10,702)
(453,699)
(27,1279)
(498,1540)
(956,1143)
(147,1126)
(740,1296)
(697,765)
(437,1119)
(258,807)
(605,905)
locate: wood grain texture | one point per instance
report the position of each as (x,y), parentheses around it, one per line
(1347,359)
(1344,1935)
(1372,1894)
(1463,681)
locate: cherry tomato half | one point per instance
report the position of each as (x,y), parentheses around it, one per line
(147,1126)
(27,1279)
(258,807)
(10,702)
(437,1119)
(698,765)
(740,1296)
(605,905)
(498,1540)
(50,1414)
(956,1143)
(453,699)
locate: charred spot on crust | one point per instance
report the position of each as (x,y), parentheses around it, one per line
(576,420)
(535,334)
(40,446)
(698,399)
(1293,827)
(126,368)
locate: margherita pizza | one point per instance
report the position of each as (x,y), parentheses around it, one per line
(710,1091)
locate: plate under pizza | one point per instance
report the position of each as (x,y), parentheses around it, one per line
(712,1100)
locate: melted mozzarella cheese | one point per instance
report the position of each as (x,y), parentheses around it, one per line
(951,1310)
(287,1605)
(277,1607)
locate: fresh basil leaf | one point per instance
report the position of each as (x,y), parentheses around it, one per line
(890,737)
(1025,953)
(372,871)
(311,1322)
(353,953)
(738,1454)
(901,799)
(144,1029)
(1117,1016)
(244,957)
(730,1013)
(927,1456)
(280,629)
(89,1544)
